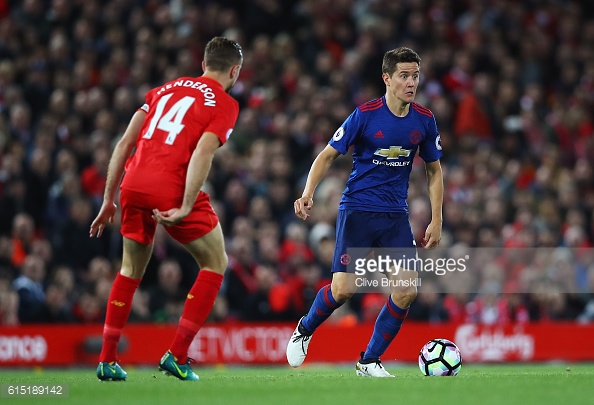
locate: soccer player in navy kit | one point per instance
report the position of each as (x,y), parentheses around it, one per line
(386,134)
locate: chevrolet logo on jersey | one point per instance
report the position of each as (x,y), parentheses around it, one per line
(393,153)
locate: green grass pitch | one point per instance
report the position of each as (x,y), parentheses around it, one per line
(476,384)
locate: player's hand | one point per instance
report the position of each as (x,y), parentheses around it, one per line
(302,205)
(106,213)
(432,235)
(170,217)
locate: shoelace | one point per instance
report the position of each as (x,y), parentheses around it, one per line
(303,338)
(299,337)
(379,363)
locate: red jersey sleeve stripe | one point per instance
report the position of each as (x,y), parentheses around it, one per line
(420,106)
(372,105)
(378,101)
(428,113)
(422,109)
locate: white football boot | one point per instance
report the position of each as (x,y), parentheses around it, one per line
(297,347)
(371,368)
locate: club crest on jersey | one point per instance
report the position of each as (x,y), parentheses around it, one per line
(416,137)
(345,259)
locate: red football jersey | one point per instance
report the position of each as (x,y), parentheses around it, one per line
(178,113)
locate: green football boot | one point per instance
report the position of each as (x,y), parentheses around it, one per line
(169,366)
(110,372)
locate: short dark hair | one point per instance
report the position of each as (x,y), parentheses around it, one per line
(221,54)
(399,55)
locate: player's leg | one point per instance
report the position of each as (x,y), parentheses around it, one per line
(138,230)
(134,261)
(388,324)
(394,312)
(328,299)
(209,252)
(351,231)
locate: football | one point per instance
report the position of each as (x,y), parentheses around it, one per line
(440,357)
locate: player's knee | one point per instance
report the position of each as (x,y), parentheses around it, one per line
(341,294)
(404,297)
(219,263)
(224,262)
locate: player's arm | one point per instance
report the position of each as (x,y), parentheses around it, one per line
(435,187)
(316,173)
(198,169)
(115,172)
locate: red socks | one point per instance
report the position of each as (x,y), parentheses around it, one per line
(198,305)
(118,310)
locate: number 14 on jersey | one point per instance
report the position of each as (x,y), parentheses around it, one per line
(172,121)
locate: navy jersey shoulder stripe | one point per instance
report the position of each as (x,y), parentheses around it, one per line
(422,110)
(371,105)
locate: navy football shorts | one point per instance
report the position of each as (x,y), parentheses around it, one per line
(378,232)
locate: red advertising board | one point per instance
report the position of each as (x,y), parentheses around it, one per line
(233,343)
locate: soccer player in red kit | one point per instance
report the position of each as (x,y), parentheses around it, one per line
(175,135)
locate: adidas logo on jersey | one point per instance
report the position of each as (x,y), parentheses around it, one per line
(379,134)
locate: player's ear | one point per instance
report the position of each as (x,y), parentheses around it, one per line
(386,79)
(234,71)
(203,66)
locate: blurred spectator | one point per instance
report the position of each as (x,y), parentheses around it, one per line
(460,308)
(9,300)
(63,276)
(588,314)
(305,284)
(29,286)
(93,177)
(72,242)
(56,308)
(23,234)
(295,249)
(428,306)
(476,111)
(37,177)
(140,307)
(167,289)
(87,309)
(271,300)
(240,279)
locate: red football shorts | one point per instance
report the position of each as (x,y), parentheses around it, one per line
(138,225)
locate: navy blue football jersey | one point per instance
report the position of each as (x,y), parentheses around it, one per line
(384,146)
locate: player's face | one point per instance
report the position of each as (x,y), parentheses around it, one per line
(404,81)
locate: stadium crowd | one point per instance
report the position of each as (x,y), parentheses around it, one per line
(511,85)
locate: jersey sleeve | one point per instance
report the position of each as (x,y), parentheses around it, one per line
(223,121)
(148,100)
(346,135)
(430,148)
